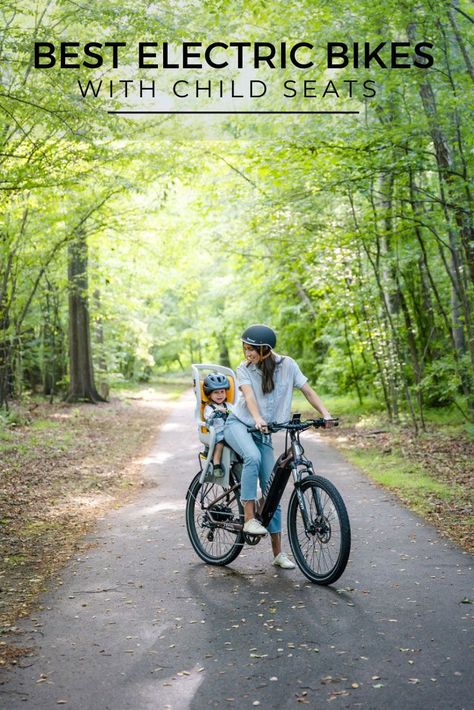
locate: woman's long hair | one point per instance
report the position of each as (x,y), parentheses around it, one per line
(267,366)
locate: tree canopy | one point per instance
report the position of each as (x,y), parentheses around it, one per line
(352,235)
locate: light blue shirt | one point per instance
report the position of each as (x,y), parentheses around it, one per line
(276,405)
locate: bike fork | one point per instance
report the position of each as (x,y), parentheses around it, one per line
(303,508)
(302,502)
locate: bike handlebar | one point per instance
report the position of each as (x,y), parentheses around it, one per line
(273,427)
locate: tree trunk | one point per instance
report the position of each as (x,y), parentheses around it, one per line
(81,386)
(351,361)
(99,342)
(5,343)
(224,358)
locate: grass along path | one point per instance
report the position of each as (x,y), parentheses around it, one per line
(58,473)
(432,474)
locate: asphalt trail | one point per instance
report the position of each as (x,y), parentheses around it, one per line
(140,623)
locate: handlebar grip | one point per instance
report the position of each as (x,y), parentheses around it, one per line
(324,422)
(321,423)
(270,429)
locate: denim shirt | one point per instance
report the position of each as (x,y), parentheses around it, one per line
(276,405)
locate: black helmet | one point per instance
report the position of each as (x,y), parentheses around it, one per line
(259,335)
(215,381)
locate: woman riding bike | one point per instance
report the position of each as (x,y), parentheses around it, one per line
(266,381)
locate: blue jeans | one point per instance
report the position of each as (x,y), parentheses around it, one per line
(257,455)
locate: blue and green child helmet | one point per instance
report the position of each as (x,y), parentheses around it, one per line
(215,381)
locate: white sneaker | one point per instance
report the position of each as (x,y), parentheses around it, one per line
(253,527)
(282,560)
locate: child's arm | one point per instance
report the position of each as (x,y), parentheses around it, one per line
(208,414)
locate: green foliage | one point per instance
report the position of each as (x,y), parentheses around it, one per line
(439,384)
(352,237)
(12,417)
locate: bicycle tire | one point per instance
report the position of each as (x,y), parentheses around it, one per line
(322,551)
(215,545)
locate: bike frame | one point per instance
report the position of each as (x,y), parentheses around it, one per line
(291,462)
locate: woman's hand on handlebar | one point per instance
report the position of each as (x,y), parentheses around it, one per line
(261,425)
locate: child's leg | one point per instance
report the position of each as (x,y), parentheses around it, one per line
(217,455)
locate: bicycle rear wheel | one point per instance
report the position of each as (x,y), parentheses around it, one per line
(320,544)
(215,529)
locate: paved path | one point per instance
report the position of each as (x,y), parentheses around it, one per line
(140,623)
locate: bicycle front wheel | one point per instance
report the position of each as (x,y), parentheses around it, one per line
(319,530)
(214,520)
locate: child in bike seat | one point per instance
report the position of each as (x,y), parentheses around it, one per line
(215,413)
